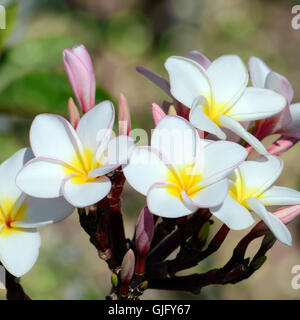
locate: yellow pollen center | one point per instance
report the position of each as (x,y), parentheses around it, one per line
(8,216)
(185,178)
(213,110)
(80,167)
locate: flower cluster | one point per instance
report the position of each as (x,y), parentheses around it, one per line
(198,159)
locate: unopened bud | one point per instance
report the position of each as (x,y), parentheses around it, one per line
(127,267)
(114,280)
(124,116)
(157,113)
(172,110)
(73,113)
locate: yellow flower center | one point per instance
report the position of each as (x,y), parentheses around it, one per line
(213,110)
(8,215)
(185,178)
(80,165)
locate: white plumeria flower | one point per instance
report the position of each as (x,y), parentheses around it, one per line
(218,96)
(180,172)
(73,163)
(20,215)
(251,189)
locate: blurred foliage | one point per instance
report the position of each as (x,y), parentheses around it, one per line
(121,34)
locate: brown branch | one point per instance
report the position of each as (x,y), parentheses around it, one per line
(14,288)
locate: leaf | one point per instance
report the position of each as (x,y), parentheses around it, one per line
(40,91)
(38,54)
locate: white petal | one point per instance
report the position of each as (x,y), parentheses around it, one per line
(277,196)
(40,212)
(258,72)
(162,203)
(228,77)
(82,195)
(280,231)
(176,139)
(145,168)
(19,250)
(9,170)
(280,84)
(234,215)
(260,174)
(103,170)
(232,155)
(257,103)
(41,177)
(93,126)
(239,130)
(52,136)
(199,119)
(118,150)
(294,129)
(188,80)
(210,196)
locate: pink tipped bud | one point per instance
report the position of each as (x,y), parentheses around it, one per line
(81,76)
(144,231)
(127,267)
(157,113)
(73,113)
(124,116)
(143,237)
(281,145)
(126,272)
(288,214)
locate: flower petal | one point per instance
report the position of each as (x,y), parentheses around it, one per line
(52,136)
(199,58)
(232,155)
(294,129)
(82,195)
(156,79)
(228,77)
(94,125)
(210,196)
(238,129)
(42,178)
(280,231)
(258,72)
(162,203)
(118,150)
(234,215)
(260,174)
(176,139)
(19,250)
(145,167)
(9,170)
(277,196)
(199,119)
(40,212)
(257,103)
(188,80)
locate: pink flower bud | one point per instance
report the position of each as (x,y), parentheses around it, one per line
(288,214)
(281,145)
(127,267)
(124,116)
(144,231)
(157,113)
(73,113)
(81,76)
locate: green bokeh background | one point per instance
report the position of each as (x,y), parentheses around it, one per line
(121,34)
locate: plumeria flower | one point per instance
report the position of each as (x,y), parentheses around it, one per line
(251,190)
(70,162)
(81,76)
(287,122)
(219,98)
(180,172)
(21,215)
